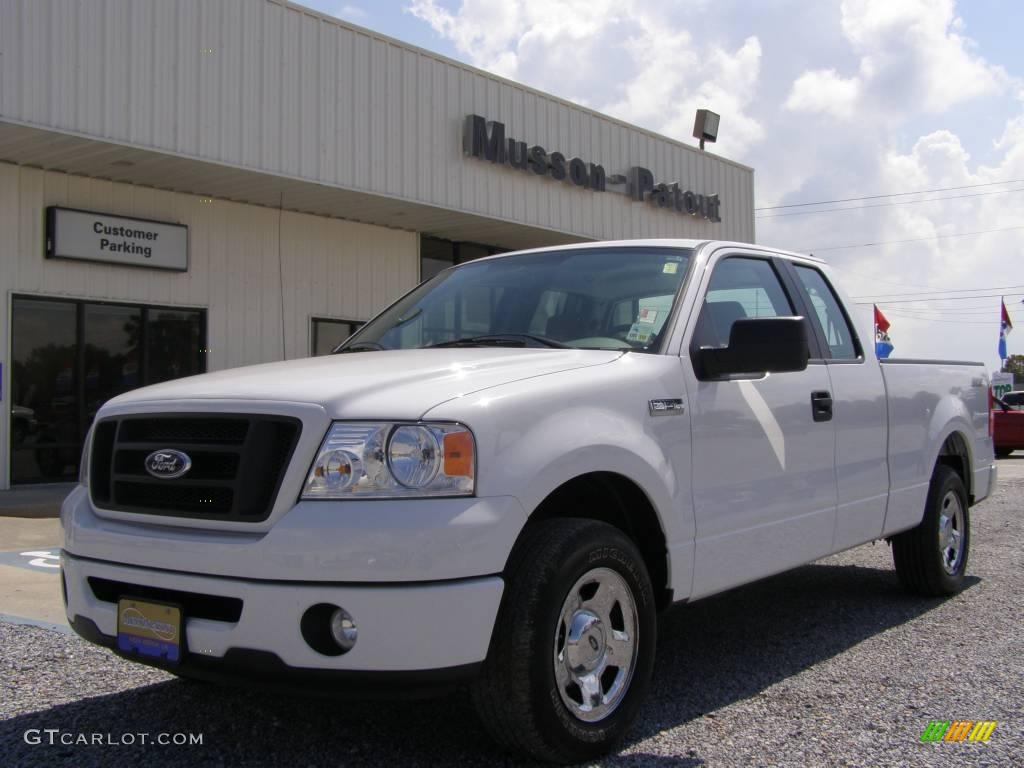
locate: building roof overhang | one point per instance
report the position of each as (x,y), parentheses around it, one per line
(82,155)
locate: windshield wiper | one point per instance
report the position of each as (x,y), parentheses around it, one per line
(501,339)
(373,346)
(362,346)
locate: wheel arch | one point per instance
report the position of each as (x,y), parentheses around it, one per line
(955,453)
(617,500)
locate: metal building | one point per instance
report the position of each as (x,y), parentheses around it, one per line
(289,174)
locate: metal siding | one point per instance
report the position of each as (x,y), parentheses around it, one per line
(233,253)
(288,91)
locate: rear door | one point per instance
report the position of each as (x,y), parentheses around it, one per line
(763,468)
(859,407)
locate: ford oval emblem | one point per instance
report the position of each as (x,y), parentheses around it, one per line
(168,463)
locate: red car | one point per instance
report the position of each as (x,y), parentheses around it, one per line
(1007,428)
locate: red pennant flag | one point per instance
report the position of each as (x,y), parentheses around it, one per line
(880,320)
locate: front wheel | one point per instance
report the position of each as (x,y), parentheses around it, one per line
(573,646)
(931,559)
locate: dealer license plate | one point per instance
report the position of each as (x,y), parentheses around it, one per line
(149,629)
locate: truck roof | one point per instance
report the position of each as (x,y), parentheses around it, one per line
(660,243)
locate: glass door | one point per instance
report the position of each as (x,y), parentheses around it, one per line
(46,437)
(70,357)
(112,354)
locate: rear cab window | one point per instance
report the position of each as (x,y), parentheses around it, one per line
(827,314)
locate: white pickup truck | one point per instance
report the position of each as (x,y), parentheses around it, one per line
(504,476)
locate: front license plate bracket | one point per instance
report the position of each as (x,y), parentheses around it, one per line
(151,629)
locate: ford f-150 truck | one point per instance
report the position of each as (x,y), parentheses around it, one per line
(502,478)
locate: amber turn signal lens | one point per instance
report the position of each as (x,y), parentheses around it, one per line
(458,454)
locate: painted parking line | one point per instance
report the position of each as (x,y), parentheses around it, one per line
(45,560)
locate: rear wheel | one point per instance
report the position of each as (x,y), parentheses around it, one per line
(931,559)
(573,646)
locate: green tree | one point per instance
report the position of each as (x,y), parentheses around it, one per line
(1015,365)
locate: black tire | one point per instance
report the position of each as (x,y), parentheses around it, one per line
(1002,453)
(517,694)
(919,557)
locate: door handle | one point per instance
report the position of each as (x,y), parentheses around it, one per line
(821,406)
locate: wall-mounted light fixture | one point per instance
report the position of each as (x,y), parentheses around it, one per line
(705,127)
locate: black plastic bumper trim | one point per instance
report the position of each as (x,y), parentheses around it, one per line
(264,670)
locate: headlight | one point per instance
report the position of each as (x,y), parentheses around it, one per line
(414,455)
(83,467)
(388,460)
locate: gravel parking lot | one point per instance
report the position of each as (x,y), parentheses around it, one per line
(831,664)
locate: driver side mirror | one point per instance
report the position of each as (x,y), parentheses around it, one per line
(757,345)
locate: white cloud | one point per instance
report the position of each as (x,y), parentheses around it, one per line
(482,30)
(938,160)
(624,57)
(824,91)
(826,100)
(912,57)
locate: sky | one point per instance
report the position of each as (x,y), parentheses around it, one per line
(827,100)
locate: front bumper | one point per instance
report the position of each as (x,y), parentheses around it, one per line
(357,541)
(403,628)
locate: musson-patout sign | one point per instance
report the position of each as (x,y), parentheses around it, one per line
(486,140)
(89,236)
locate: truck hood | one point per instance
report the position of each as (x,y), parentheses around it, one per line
(394,384)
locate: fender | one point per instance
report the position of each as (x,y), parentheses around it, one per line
(906,504)
(553,428)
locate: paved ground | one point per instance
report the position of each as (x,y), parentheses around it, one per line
(34,501)
(829,665)
(29,569)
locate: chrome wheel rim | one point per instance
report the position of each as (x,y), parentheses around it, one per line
(951,532)
(595,645)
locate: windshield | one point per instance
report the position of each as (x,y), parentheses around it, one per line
(607,298)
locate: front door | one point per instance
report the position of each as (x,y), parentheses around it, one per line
(763,481)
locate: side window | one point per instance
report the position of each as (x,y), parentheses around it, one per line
(740,287)
(828,314)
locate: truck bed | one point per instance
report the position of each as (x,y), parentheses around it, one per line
(922,416)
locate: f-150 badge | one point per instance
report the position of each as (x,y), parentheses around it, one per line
(666,406)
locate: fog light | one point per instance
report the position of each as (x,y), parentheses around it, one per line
(343,629)
(328,629)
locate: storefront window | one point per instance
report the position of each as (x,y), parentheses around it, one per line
(437,254)
(45,434)
(112,353)
(326,333)
(174,344)
(70,357)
